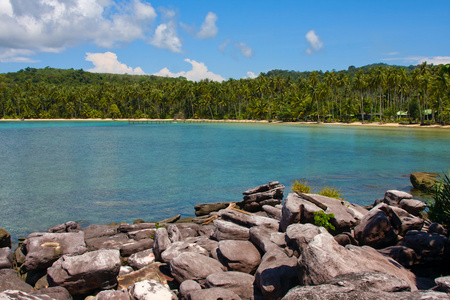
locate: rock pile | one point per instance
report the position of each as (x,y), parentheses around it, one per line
(259,248)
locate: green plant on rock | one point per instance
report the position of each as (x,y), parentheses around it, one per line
(301,187)
(323,219)
(331,192)
(439,207)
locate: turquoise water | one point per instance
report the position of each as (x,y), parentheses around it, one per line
(102,172)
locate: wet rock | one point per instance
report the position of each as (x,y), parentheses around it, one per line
(424,181)
(189,265)
(42,249)
(141,259)
(6,258)
(224,230)
(150,289)
(213,294)
(87,272)
(276,274)
(241,256)
(237,282)
(70,226)
(9,280)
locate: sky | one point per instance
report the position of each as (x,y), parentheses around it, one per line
(219,40)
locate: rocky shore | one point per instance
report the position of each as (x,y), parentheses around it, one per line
(266,246)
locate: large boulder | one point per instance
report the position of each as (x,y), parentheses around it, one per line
(224,230)
(5,238)
(161,242)
(42,249)
(180,247)
(247,220)
(9,280)
(188,286)
(56,292)
(206,209)
(6,258)
(115,242)
(424,181)
(204,242)
(266,239)
(95,231)
(151,271)
(237,282)
(241,256)
(113,295)
(213,294)
(273,212)
(70,226)
(141,259)
(298,236)
(393,197)
(87,272)
(379,228)
(189,265)
(405,256)
(324,259)
(141,234)
(293,208)
(276,274)
(414,207)
(132,247)
(429,247)
(150,289)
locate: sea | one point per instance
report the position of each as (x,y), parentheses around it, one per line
(98,172)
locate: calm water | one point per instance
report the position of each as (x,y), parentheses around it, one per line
(101,172)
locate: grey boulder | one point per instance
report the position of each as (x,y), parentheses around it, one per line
(6,258)
(150,289)
(237,282)
(241,256)
(189,265)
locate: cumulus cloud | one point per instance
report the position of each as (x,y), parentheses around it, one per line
(199,71)
(315,44)
(107,63)
(54,25)
(245,50)
(251,75)
(208,29)
(166,37)
(224,45)
(435,60)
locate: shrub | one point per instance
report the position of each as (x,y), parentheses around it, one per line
(331,192)
(439,207)
(323,219)
(301,187)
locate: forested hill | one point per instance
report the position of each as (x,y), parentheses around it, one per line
(406,94)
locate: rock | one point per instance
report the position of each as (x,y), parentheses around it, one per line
(113,295)
(189,265)
(108,242)
(276,274)
(161,242)
(329,291)
(414,207)
(378,228)
(150,289)
(135,246)
(272,212)
(241,256)
(87,272)
(324,259)
(242,219)
(125,269)
(291,211)
(262,188)
(345,238)
(141,234)
(224,230)
(237,282)
(57,293)
(70,226)
(141,259)
(206,209)
(9,280)
(437,228)
(443,283)
(6,258)
(410,223)
(19,295)
(95,231)
(213,294)
(264,238)
(152,271)
(403,255)
(424,181)
(429,247)
(203,242)
(393,197)
(188,286)
(344,217)
(258,198)
(180,247)
(188,229)
(298,236)
(174,233)
(170,220)
(42,249)
(5,238)
(370,281)
(135,227)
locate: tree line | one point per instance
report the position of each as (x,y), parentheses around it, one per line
(380,93)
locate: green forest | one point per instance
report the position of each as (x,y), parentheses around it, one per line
(373,93)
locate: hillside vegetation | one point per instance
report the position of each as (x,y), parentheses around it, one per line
(392,93)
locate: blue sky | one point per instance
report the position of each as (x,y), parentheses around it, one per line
(220,39)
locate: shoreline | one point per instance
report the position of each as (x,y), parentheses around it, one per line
(374,124)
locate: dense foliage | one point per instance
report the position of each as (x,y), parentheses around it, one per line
(401,94)
(439,208)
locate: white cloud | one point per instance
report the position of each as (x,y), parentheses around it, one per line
(199,71)
(166,37)
(251,75)
(54,25)
(246,50)
(224,45)
(315,44)
(107,63)
(208,29)
(436,60)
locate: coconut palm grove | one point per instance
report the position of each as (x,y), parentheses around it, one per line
(373,93)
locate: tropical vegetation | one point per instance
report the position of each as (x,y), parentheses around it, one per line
(380,93)
(439,207)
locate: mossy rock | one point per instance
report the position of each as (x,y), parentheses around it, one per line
(424,181)
(5,238)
